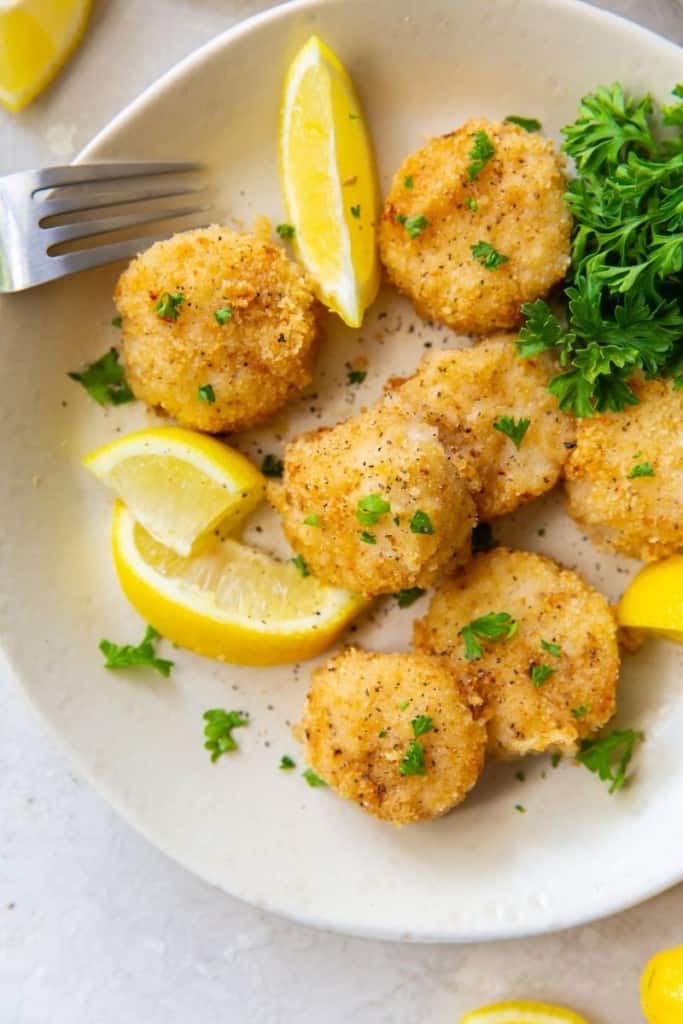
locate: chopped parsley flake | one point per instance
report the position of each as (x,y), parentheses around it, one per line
(286,763)
(205,393)
(409,182)
(529,124)
(610,756)
(539,674)
(142,656)
(555,759)
(299,564)
(382,733)
(218,731)
(104,380)
(371,508)
(421,523)
(480,154)
(355,117)
(355,211)
(367,538)
(272,466)
(413,762)
(312,520)
(494,626)
(581,711)
(421,724)
(472,204)
(553,649)
(515,429)
(286,230)
(222,315)
(520,808)
(408,596)
(489,257)
(313,780)
(168,305)
(116,321)
(403,704)
(356,376)
(414,225)
(641,469)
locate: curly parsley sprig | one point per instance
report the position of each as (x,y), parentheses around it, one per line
(625,290)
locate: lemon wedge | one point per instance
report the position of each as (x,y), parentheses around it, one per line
(179,484)
(36,38)
(522,1013)
(329,181)
(654,599)
(230,601)
(661,988)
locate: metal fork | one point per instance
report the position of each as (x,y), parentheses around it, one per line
(44,212)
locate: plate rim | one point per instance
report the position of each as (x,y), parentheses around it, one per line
(501,932)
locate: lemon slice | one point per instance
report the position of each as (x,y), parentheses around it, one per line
(522,1013)
(180,485)
(661,988)
(329,181)
(654,599)
(36,38)
(230,601)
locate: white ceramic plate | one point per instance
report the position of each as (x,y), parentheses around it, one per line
(422,67)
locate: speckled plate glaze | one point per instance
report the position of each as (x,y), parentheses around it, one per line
(485,871)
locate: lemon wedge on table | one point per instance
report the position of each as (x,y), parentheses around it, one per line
(230,601)
(654,599)
(36,38)
(661,988)
(522,1013)
(178,484)
(329,181)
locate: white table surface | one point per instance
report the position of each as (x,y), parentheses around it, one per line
(96,926)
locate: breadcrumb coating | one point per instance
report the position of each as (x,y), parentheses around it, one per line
(637,515)
(463,392)
(357,728)
(386,455)
(530,711)
(514,204)
(255,361)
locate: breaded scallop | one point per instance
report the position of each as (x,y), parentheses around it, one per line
(366,715)
(238,320)
(464,392)
(514,204)
(550,680)
(625,476)
(374,504)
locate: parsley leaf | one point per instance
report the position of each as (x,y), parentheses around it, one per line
(581,711)
(555,758)
(489,257)
(421,523)
(168,305)
(218,730)
(408,596)
(104,380)
(515,429)
(205,393)
(529,124)
(117,321)
(299,564)
(520,808)
(286,763)
(413,762)
(356,376)
(641,469)
(610,756)
(482,538)
(553,649)
(313,780)
(494,626)
(286,230)
(223,315)
(313,520)
(142,656)
(472,204)
(355,211)
(421,724)
(272,466)
(625,289)
(409,182)
(480,154)
(413,225)
(371,508)
(539,674)
(367,538)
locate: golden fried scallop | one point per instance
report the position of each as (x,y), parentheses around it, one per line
(514,204)
(374,504)
(550,679)
(625,476)
(465,392)
(394,733)
(238,320)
